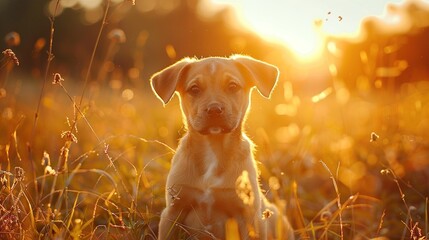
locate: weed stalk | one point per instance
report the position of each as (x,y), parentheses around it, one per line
(339,205)
(36,114)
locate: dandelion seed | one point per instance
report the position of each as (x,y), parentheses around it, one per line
(374,137)
(10,55)
(267,214)
(340,18)
(57,79)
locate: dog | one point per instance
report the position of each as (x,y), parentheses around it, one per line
(212,189)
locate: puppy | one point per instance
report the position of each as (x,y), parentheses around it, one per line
(212,188)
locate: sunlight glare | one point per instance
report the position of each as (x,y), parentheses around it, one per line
(303,25)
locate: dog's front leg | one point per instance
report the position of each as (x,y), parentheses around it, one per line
(169,218)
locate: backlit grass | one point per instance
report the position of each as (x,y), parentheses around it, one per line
(88,159)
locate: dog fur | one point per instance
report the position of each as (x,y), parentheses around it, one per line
(213,182)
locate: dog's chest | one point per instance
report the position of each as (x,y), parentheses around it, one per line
(211,176)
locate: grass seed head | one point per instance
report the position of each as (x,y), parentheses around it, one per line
(374,137)
(19,174)
(10,56)
(50,171)
(57,79)
(46,160)
(267,213)
(69,136)
(3,180)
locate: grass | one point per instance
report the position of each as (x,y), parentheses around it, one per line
(343,166)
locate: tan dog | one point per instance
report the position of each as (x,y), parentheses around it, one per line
(213,184)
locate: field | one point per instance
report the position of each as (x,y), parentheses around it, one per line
(85,155)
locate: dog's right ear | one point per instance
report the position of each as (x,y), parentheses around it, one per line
(164,82)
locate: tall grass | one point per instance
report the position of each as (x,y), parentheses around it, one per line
(81,170)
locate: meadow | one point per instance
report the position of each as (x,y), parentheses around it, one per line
(85,156)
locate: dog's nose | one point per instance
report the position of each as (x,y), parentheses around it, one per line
(214,109)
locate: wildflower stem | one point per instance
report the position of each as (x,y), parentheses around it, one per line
(88,73)
(334,182)
(80,112)
(426,217)
(36,114)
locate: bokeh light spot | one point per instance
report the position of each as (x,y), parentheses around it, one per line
(288,133)
(134,73)
(171,52)
(92,15)
(146,5)
(68,3)
(127,94)
(163,132)
(90,4)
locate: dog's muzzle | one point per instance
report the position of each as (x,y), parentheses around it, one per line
(215,110)
(215,120)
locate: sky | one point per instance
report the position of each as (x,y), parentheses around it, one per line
(294,21)
(302,25)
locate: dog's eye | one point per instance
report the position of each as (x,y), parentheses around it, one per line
(233,87)
(194,90)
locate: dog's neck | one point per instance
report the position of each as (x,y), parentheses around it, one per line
(227,150)
(218,142)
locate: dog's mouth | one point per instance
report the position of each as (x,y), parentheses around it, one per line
(213,125)
(214,130)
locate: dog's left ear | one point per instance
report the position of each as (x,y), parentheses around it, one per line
(164,82)
(262,74)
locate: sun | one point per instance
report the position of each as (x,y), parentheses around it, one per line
(305,45)
(276,21)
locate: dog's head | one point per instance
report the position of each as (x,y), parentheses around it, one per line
(214,91)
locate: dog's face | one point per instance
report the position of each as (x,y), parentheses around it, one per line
(214,91)
(214,96)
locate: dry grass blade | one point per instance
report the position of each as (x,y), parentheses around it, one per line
(71,215)
(91,61)
(338,200)
(15,139)
(360,103)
